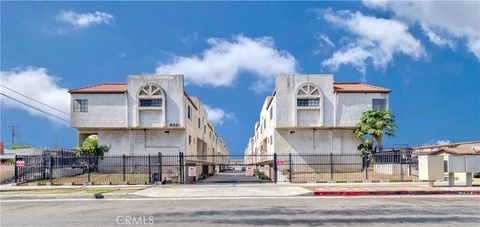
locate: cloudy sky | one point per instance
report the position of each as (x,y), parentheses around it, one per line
(428,53)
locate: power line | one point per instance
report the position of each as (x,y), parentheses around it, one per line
(447,100)
(35,108)
(34,99)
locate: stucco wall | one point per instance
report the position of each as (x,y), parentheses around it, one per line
(173,100)
(143,142)
(286,88)
(350,106)
(309,141)
(104,110)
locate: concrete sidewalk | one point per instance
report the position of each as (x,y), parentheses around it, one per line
(241,190)
(224,190)
(419,188)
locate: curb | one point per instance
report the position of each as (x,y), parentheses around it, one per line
(395,192)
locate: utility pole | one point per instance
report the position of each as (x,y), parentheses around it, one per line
(14,132)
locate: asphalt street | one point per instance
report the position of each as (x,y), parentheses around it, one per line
(293,211)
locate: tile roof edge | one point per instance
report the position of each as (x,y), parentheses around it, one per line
(96,85)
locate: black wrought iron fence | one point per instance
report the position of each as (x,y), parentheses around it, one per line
(177,168)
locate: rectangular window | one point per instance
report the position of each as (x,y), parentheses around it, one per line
(271,140)
(80,105)
(308,102)
(198,122)
(189,139)
(379,104)
(204,129)
(151,102)
(189,112)
(264,123)
(271,113)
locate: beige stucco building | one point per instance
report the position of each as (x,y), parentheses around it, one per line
(312,114)
(146,115)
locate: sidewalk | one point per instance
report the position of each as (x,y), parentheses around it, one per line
(418,188)
(238,190)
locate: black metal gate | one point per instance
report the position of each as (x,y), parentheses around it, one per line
(229,169)
(179,168)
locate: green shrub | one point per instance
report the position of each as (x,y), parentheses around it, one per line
(90,147)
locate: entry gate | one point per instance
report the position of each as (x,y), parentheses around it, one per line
(229,169)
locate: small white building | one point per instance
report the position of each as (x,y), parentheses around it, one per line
(312,114)
(146,115)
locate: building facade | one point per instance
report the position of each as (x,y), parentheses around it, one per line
(312,114)
(146,115)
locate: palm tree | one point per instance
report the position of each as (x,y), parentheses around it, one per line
(375,123)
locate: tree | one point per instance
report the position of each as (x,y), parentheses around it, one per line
(375,123)
(18,146)
(90,147)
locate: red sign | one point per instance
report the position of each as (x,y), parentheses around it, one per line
(20,163)
(192,171)
(249,171)
(280,162)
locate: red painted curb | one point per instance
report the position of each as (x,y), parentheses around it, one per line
(396,192)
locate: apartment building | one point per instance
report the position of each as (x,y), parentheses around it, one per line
(146,115)
(312,114)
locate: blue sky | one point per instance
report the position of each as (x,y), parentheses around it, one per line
(428,53)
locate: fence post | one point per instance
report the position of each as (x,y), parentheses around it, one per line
(149,171)
(290,167)
(331,166)
(275,168)
(366,164)
(123,167)
(401,166)
(15,170)
(88,169)
(160,166)
(50,172)
(180,162)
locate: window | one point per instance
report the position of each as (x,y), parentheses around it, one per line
(308,102)
(150,90)
(204,129)
(379,104)
(81,105)
(151,102)
(271,113)
(189,112)
(271,140)
(264,123)
(189,139)
(198,122)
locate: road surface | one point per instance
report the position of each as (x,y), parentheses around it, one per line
(293,211)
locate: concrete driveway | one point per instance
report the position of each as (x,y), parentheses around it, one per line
(223,190)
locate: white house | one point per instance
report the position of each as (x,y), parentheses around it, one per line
(312,114)
(146,115)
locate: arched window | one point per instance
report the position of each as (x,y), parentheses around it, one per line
(308,96)
(150,96)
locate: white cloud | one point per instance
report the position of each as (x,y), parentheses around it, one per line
(324,38)
(376,40)
(440,142)
(217,115)
(459,19)
(37,84)
(84,20)
(436,38)
(222,62)
(190,38)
